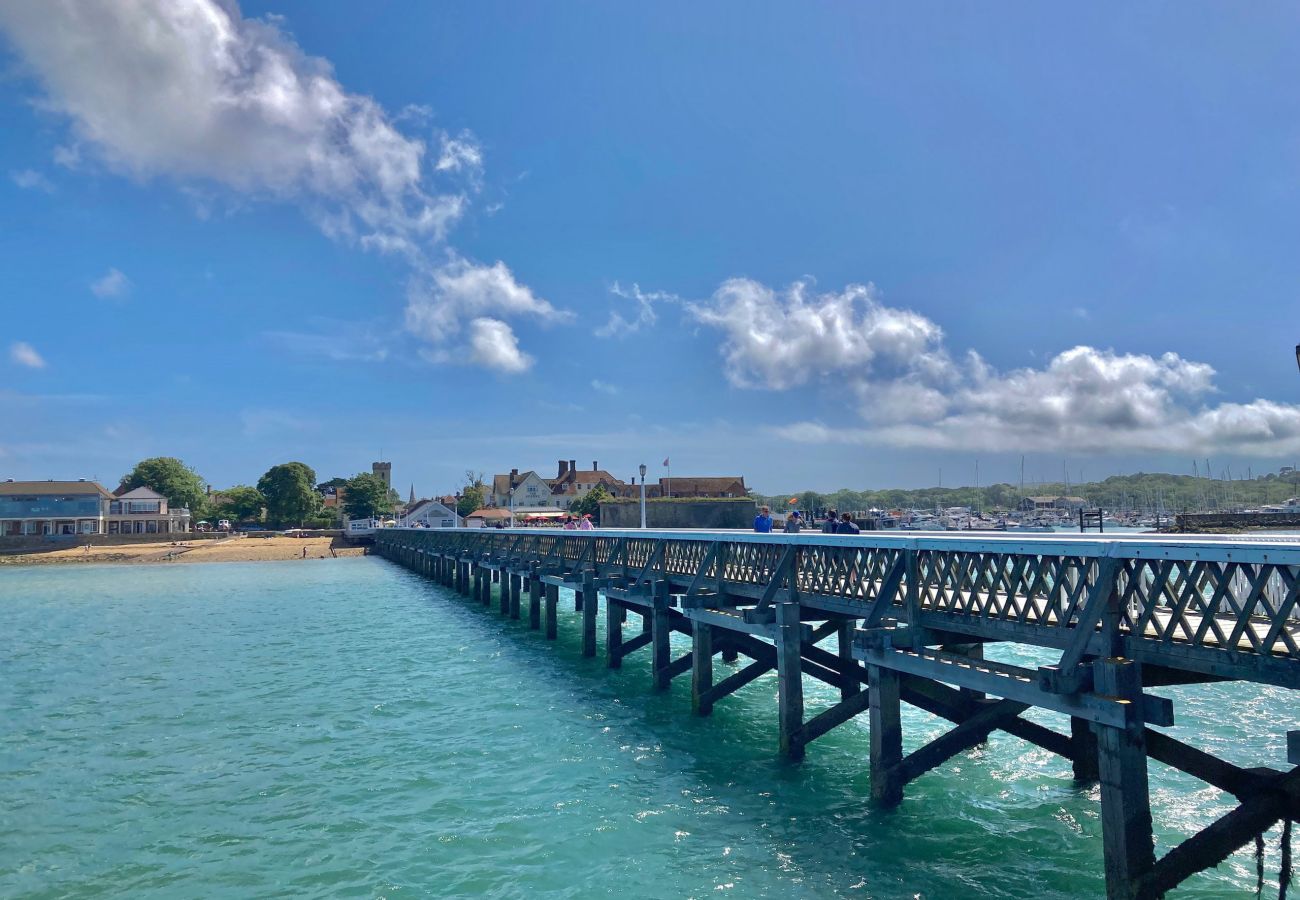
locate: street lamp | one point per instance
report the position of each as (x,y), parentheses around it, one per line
(643,483)
(512,507)
(455,512)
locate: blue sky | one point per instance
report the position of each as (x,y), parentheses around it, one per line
(762,239)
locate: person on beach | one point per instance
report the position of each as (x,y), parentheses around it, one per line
(830,522)
(793,523)
(763,522)
(847,525)
(585,523)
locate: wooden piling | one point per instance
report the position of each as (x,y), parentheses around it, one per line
(1127,841)
(789,679)
(886,734)
(848,665)
(534,599)
(701,669)
(516,585)
(552,602)
(1083,750)
(615,614)
(587,597)
(660,648)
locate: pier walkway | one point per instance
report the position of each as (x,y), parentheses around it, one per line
(911,616)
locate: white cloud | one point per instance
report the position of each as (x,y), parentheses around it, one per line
(605,387)
(192,92)
(780,340)
(441,301)
(24,354)
(911,392)
(493,345)
(111,284)
(645,310)
(31,180)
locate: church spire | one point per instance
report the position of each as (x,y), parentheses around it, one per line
(411,502)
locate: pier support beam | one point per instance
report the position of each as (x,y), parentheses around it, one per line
(516,583)
(702,669)
(661,630)
(534,599)
(503,599)
(789,679)
(615,615)
(886,734)
(1083,750)
(1125,798)
(848,665)
(552,601)
(587,599)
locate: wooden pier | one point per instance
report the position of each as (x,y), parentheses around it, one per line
(911,617)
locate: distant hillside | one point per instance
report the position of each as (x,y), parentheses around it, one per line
(1171,493)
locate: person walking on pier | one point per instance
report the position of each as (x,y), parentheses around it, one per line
(569,524)
(847,525)
(793,523)
(828,526)
(763,522)
(584,524)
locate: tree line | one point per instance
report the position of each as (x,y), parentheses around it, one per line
(286,495)
(1142,492)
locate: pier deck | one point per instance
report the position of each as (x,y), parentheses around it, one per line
(911,616)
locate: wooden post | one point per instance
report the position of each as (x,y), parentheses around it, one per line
(1125,799)
(534,599)
(1083,750)
(701,668)
(730,654)
(615,614)
(587,597)
(789,678)
(552,600)
(660,632)
(886,734)
(503,600)
(848,665)
(478,584)
(516,583)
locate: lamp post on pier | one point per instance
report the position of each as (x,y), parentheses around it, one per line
(455,512)
(642,494)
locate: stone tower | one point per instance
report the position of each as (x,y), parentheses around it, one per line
(384,472)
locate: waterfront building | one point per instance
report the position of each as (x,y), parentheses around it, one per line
(530,489)
(52,507)
(571,484)
(725,487)
(429,514)
(145,511)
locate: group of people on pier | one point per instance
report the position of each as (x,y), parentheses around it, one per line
(794,523)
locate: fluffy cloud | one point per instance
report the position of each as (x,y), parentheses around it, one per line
(192,92)
(910,391)
(25,354)
(440,302)
(494,346)
(111,284)
(781,340)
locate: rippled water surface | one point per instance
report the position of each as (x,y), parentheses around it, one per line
(346,728)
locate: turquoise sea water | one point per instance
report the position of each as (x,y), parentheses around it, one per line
(346,728)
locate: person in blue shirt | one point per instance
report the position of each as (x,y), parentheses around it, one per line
(847,525)
(763,524)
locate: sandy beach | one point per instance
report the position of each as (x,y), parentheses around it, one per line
(237,549)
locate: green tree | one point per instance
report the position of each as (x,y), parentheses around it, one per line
(366,496)
(240,503)
(332,483)
(170,477)
(589,503)
(290,493)
(473,495)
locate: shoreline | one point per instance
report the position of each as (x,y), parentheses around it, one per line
(242,549)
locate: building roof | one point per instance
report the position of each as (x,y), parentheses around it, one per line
(490,512)
(40,488)
(501,483)
(707,485)
(141,493)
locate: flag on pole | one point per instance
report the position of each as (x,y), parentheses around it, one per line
(665,460)
(792,501)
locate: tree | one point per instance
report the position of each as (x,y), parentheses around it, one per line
(240,503)
(332,483)
(289,491)
(589,503)
(366,496)
(170,477)
(473,495)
